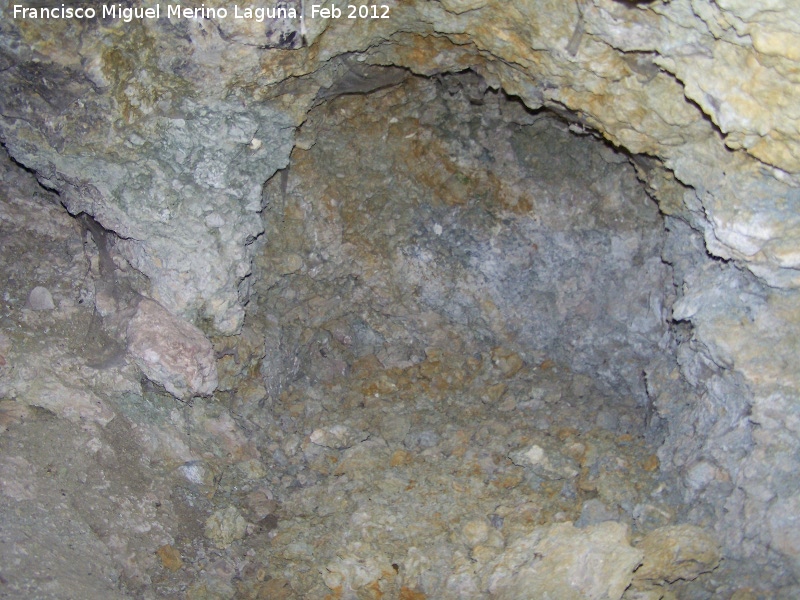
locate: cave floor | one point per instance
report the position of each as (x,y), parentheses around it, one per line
(396,483)
(416,481)
(440,480)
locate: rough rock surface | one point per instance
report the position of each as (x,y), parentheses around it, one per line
(595,563)
(289,496)
(458,232)
(171,352)
(677,552)
(166,130)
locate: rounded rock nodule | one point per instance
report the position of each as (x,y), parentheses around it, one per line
(40,298)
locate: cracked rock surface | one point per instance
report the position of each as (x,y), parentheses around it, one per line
(427,291)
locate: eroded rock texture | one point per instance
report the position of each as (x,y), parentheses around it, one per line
(455,233)
(432,215)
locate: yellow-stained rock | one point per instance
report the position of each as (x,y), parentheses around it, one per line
(170,557)
(677,552)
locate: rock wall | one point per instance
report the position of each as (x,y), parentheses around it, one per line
(165,130)
(402,228)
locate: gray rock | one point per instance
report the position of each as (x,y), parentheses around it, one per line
(40,298)
(594,512)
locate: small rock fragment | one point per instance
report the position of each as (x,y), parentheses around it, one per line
(700,475)
(338,437)
(508,361)
(594,511)
(651,463)
(494,393)
(475,532)
(261,503)
(252,469)
(400,458)
(225,527)
(68,402)
(170,558)
(548,463)
(40,298)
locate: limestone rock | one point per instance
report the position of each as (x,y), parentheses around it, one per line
(677,552)
(565,563)
(784,517)
(40,298)
(355,568)
(171,352)
(166,131)
(71,403)
(225,526)
(547,463)
(594,511)
(338,437)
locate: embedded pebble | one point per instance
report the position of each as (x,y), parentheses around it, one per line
(40,298)
(338,437)
(548,464)
(225,527)
(170,558)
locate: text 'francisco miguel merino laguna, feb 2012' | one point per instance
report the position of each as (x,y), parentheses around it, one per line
(170,11)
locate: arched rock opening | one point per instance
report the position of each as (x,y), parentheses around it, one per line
(436,213)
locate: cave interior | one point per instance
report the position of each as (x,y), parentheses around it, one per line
(392,326)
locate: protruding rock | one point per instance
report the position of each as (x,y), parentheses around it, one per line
(225,527)
(677,552)
(171,352)
(40,298)
(563,562)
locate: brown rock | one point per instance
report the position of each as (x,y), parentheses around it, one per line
(651,463)
(170,558)
(400,458)
(409,594)
(275,589)
(507,361)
